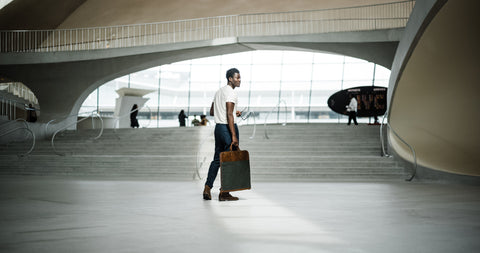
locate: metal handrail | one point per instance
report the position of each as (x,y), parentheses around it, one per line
(13,121)
(382,142)
(33,139)
(127,114)
(73,115)
(78,121)
(247,115)
(266,118)
(150,119)
(358,18)
(384,153)
(198,164)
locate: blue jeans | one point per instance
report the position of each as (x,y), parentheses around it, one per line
(223,139)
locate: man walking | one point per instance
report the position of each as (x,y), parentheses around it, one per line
(223,107)
(352,110)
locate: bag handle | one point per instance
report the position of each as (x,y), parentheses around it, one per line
(231,147)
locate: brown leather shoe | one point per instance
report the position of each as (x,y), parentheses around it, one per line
(206,193)
(225,196)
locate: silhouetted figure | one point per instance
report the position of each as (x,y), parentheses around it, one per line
(31,113)
(375,112)
(203,120)
(133,117)
(352,110)
(181,118)
(195,121)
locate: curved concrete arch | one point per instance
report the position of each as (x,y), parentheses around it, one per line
(433,89)
(59,86)
(161,59)
(62,80)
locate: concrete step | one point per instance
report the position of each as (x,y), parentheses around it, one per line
(293,152)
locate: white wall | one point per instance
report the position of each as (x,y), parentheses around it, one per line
(434,105)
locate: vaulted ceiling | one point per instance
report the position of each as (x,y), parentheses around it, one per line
(36,14)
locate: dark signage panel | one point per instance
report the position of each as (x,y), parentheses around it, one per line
(372,101)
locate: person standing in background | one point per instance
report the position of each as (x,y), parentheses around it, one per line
(352,110)
(203,120)
(195,121)
(181,118)
(31,113)
(133,116)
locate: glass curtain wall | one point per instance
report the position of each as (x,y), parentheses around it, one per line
(277,86)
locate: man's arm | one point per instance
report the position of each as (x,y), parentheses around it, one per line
(230,120)
(211,110)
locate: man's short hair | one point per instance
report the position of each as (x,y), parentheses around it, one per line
(231,72)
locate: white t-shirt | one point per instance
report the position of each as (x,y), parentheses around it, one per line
(224,95)
(353,105)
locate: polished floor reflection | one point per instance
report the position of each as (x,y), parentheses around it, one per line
(72,215)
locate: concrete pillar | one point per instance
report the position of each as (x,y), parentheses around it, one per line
(124,103)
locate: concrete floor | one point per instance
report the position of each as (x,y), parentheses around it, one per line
(73,215)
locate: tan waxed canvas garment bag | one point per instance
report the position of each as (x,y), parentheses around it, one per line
(234,170)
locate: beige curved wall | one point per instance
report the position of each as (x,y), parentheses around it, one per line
(435,106)
(125,12)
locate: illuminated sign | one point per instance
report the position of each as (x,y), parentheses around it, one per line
(372,101)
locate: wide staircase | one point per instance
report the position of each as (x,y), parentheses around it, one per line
(164,153)
(304,152)
(313,152)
